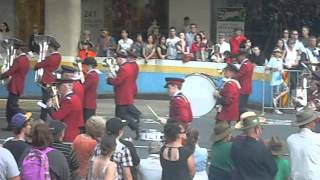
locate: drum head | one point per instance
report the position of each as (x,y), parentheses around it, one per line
(199,89)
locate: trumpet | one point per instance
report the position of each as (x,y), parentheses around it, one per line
(42,41)
(111,66)
(8,45)
(78,62)
(55,97)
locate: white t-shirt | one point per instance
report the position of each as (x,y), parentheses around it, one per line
(8,165)
(150,168)
(125,45)
(291,57)
(224,47)
(171,47)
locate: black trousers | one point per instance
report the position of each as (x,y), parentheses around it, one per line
(243,103)
(45,97)
(87,113)
(129,113)
(12,107)
(219,174)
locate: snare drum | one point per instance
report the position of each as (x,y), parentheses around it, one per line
(151,135)
(199,89)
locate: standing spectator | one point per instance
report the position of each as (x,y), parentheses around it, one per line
(281,44)
(298,46)
(156,33)
(101,166)
(84,144)
(183,50)
(236,40)
(150,168)
(8,166)
(5,32)
(191,34)
(186,24)
(33,46)
(125,43)
(177,161)
(21,127)
(196,47)
(153,25)
(41,141)
(257,57)
(86,50)
(252,159)
(137,46)
(276,147)
(246,46)
(162,48)
(223,44)
(244,76)
(285,36)
(221,166)
(57,129)
(291,62)
(200,155)
(279,88)
(171,44)
(86,36)
(304,147)
(312,51)
(216,56)
(305,32)
(149,49)
(106,45)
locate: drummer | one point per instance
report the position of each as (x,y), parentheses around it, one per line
(180,108)
(228,96)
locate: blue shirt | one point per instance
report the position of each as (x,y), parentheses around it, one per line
(200,156)
(276,77)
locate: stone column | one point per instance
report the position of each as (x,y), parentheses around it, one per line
(63,21)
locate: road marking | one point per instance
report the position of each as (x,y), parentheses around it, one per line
(280,122)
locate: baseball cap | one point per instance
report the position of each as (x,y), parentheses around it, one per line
(19,119)
(114,125)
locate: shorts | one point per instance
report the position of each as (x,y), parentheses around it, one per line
(278,89)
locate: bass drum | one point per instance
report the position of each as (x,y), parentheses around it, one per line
(199,89)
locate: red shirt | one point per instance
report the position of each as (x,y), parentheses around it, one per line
(18,72)
(244,76)
(125,87)
(90,89)
(49,65)
(180,109)
(230,110)
(235,42)
(78,90)
(83,54)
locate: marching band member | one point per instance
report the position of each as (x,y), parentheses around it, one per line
(90,86)
(244,76)
(229,95)
(180,108)
(17,72)
(49,65)
(70,111)
(125,89)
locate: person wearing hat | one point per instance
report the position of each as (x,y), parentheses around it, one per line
(275,66)
(86,50)
(49,65)
(304,147)
(221,164)
(21,127)
(125,90)
(251,158)
(150,167)
(244,76)
(90,86)
(179,108)
(228,97)
(277,148)
(70,111)
(15,75)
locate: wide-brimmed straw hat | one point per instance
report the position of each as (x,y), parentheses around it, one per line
(249,120)
(220,131)
(277,147)
(305,117)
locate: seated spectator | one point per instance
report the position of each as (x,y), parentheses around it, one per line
(106,45)
(221,166)
(149,49)
(162,48)
(177,161)
(246,46)
(137,46)
(198,48)
(171,44)
(57,129)
(183,50)
(86,50)
(257,57)
(8,166)
(101,167)
(304,147)
(276,147)
(205,40)
(223,44)
(216,56)
(200,155)
(84,144)
(236,40)
(150,168)
(41,141)
(21,127)
(125,43)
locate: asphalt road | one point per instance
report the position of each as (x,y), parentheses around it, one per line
(277,124)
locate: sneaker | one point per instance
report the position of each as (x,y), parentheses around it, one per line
(278,111)
(275,102)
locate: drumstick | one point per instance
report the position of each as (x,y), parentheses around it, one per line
(154,113)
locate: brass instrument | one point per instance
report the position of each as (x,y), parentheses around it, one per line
(111,66)
(55,97)
(78,62)
(8,45)
(42,41)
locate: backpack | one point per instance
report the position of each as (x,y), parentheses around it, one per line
(36,165)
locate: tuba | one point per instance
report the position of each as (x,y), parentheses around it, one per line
(8,45)
(111,66)
(43,42)
(55,97)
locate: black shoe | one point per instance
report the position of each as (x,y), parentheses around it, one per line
(8,128)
